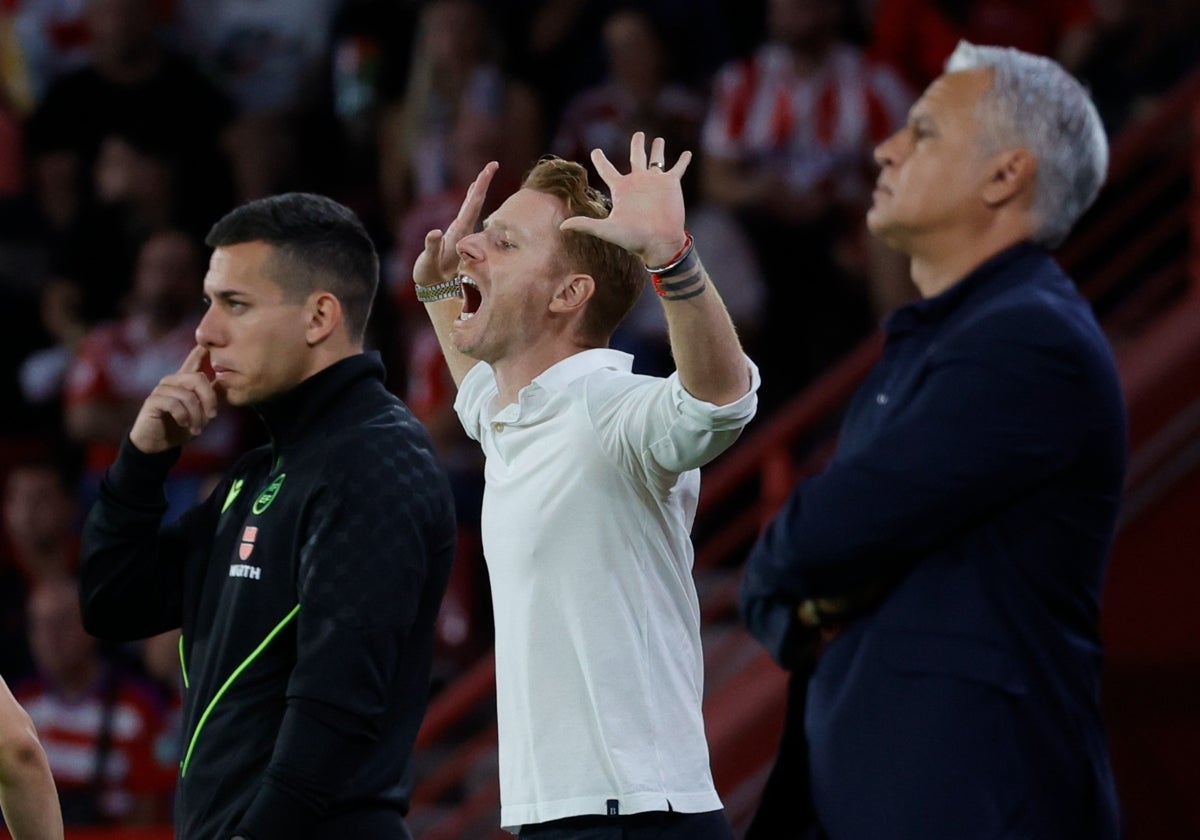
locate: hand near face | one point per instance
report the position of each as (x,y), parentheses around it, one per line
(178,408)
(436,264)
(647,213)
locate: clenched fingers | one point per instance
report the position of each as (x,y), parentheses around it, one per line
(188,407)
(199,384)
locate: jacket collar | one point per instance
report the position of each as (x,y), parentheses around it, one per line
(292,414)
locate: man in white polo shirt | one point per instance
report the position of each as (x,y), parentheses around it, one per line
(592,479)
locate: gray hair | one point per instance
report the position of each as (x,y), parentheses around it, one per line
(1033,102)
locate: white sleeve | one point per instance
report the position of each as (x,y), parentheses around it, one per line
(662,428)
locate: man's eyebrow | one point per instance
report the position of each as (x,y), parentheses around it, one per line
(506,227)
(226,294)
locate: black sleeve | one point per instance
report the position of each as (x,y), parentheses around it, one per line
(132,568)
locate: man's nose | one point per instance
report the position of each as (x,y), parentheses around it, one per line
(885,153)
(470,248)
(208,333)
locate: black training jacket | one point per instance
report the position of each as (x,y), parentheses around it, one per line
(307,587)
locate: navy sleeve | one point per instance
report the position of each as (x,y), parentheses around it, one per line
(132,569)
(994,416)
(378,531)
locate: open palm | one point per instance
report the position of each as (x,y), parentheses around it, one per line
(647,216)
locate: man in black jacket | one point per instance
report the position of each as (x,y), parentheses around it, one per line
(307,585)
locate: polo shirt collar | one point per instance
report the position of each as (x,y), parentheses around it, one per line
(990,277)
(561,374)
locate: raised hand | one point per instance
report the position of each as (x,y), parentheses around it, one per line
(436,264)
(647,213)
(178,408)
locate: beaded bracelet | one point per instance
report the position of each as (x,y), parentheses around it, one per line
(682,277)
(439,291)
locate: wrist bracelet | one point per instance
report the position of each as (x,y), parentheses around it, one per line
(679,257)
(681,278)
(439,291)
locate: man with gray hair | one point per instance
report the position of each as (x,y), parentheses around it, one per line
(941,578)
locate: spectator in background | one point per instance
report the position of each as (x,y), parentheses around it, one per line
(119,362)
(97,722)
(136,190)
(787,148)
(129,82)
(42,370)
(557,46)
(40,542)
(638,95)
(1141,51)
(370,53)
(265,54)
(916,36)
(268,56)
(455,70)
(703,35)
(45,39)
(40,512)
(28,800)
(23,258)
(160,106)
(134,181)
(554,46)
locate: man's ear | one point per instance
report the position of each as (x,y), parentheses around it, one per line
(1012,173)
(573,293)
(323,315)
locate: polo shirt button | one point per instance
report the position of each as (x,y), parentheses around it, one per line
(499,427)
(882,399)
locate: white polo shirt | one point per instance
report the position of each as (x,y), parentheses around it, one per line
(592,479)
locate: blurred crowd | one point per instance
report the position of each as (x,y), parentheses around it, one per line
(128,126)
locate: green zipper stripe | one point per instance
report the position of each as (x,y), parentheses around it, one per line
(182,664)
(217,697)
